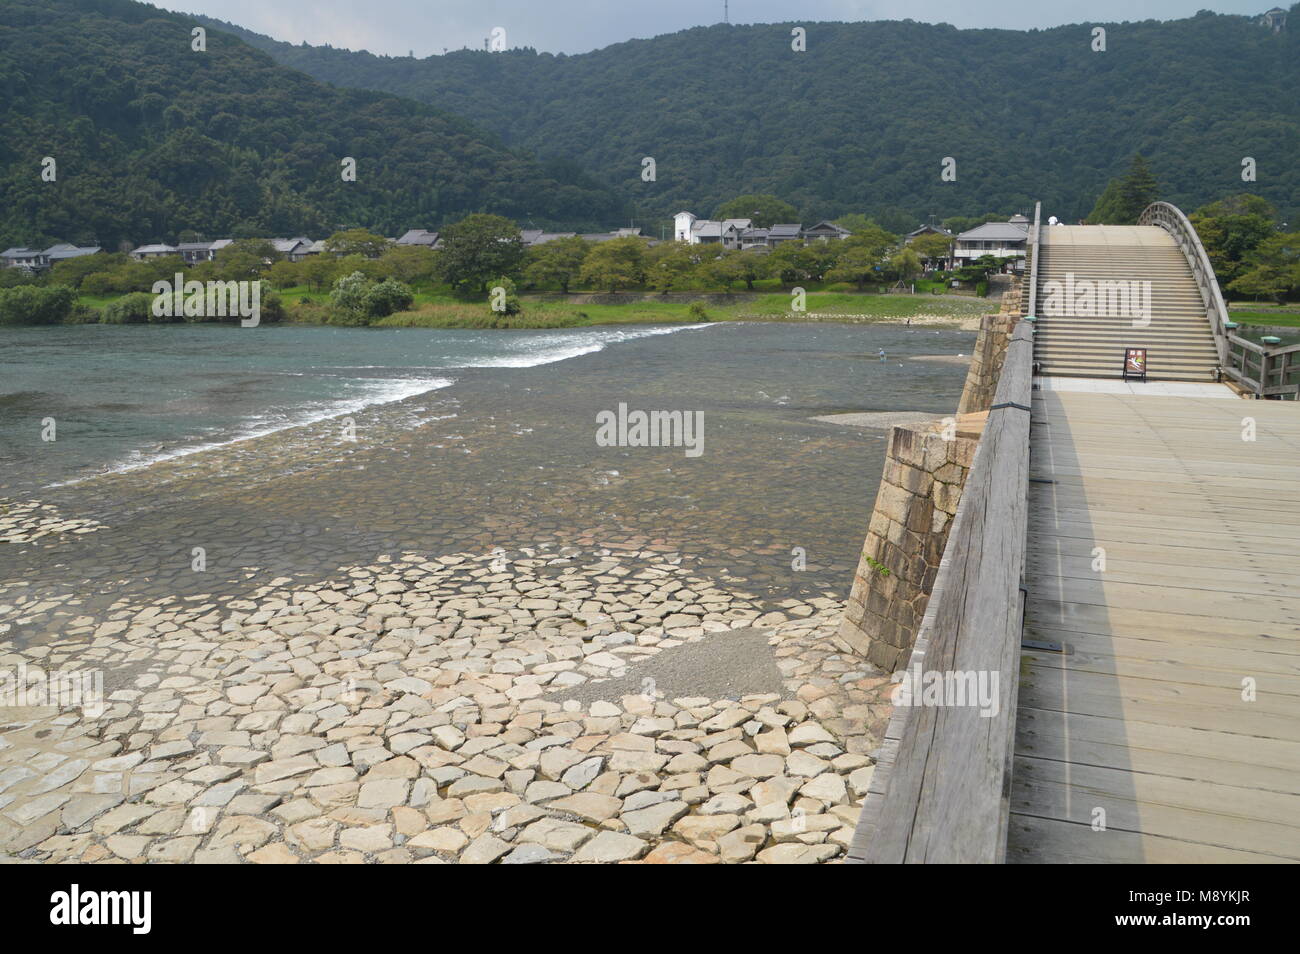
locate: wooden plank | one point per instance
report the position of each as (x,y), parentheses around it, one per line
(1174,668)
(1198,628)
(1047,572)
(1232,653)
(1156,750)
(1120,597)
(1051,841)
(1191,810)
(1046,690)
(1121,533)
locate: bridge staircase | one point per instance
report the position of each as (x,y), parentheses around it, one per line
(1077,338)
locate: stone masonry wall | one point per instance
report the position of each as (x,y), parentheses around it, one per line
(990,350)
(925,470)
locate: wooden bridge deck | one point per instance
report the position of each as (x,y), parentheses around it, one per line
(1144,718)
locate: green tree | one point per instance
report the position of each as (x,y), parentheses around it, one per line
(932,247)
(766,210)
(858,263)
(668,264)
(132,309)
(873,238)
(1139,188)
(357,242)
(373,268)
(751,265)
(73,271)
(788,262)
(905,264)
(283,274)
(856,222)
(245,259)
(480,247)
(720,270)
(818,258)
(618,262)
(411,263)
(1273,268)
(32,305)
(1124,198)
(386,297)
(319,271)
(1232,228)
(557,262)
(349,299)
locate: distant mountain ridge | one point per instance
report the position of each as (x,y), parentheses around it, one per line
(150,138)
(864,118)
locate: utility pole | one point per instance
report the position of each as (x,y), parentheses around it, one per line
(726,11)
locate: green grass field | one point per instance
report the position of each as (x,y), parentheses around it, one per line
(542,313)
(437,308)
(1281,317)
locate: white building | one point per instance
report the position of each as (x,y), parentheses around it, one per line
(999,239)
(696,231)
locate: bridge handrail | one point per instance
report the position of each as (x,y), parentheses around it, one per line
(1171,218)
(941,788)
(1269,362)
(1032,305)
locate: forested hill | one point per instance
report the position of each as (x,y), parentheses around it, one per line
(151,138)
(863,119)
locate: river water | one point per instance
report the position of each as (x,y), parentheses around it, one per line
(294,451)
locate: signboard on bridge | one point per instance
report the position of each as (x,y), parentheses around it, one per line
(1135,364)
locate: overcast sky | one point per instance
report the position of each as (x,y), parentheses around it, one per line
(397,27)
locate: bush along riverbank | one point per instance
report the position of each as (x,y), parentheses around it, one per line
(391,304)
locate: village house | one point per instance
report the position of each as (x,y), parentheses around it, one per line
(533,237)
(999,239)
(610,236)
(195,252)
(63,251)
(825,231)
(34,260)
(925,230)
(781,233)
(19,257)
(419,237)
(1273,20)
(293,249)
(741,233)
(688,228)
(153,251)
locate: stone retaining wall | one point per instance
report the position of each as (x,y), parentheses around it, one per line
(925,470)
(990,350)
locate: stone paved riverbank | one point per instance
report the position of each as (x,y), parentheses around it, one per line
(448,710)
